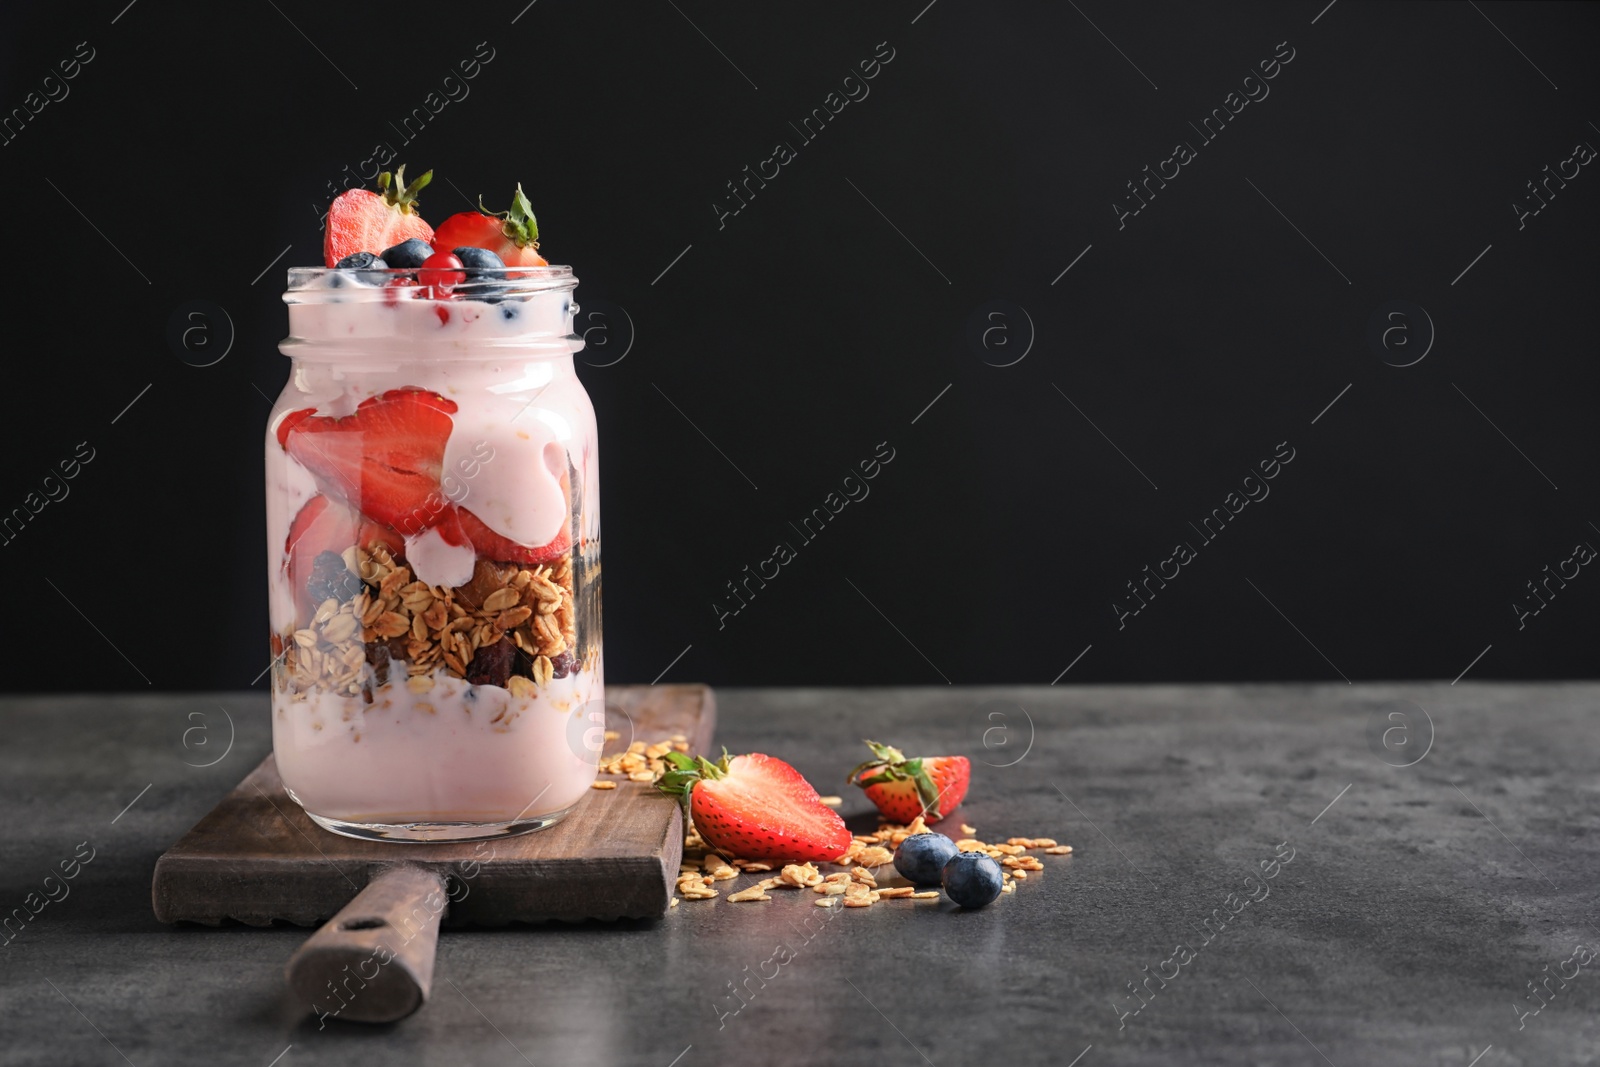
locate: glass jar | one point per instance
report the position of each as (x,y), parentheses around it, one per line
(433,530)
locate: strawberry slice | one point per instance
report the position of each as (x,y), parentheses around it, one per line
(493,546)
(360,220)
(384,460)
(757,807)
(323,525)
(902,789)
(513,235)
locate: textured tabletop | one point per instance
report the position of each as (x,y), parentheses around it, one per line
(1357,875)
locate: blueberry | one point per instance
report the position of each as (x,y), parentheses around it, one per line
(921,857)
(365,264)
(478,259)
(483,277)
(360,261)
(971,879)
(408,254)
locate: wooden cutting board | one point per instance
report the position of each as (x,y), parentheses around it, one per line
(257,857)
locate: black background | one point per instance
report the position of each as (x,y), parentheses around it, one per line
(200,139)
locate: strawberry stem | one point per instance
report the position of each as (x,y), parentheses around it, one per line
(891,765)
(402,197)
(686,773)
(517,223)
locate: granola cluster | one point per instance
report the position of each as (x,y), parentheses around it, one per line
(860,887)
(640,762)
(510,626)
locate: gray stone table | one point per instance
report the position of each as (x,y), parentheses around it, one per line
(1419,904)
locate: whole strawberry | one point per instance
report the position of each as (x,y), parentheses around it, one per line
(902,789)
(513,234)
(755,807)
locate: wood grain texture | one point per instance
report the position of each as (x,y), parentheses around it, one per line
(373,962)
(257,857)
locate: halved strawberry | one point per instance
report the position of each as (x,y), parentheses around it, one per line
(902,789)
(324,524)
(360,220)
(756,807)
(384,460)
(493,546)
(513,234)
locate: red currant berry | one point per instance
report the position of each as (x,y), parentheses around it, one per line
(442,269)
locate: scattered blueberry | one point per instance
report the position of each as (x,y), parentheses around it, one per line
(921,857)
(408,254)
(331,578)
(971,879)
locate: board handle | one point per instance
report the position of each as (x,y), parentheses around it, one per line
(373,962)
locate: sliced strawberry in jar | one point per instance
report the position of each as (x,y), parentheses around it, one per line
(385,459)
(491,545)
(324,524)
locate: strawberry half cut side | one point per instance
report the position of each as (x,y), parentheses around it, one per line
(385,459)
(902,789)
(756,807)
(360,220)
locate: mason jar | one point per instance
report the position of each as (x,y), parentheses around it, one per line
(433,536)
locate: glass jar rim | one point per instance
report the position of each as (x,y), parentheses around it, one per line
(315,284)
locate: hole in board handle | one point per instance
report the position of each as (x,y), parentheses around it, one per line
(363,924)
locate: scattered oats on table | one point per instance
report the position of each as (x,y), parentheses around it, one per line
(832,801)
(874,856)
(603,785)
(755,892)
(797,874)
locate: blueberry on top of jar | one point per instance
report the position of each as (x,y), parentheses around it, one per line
(408,254)
(482,280)
(366,268)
